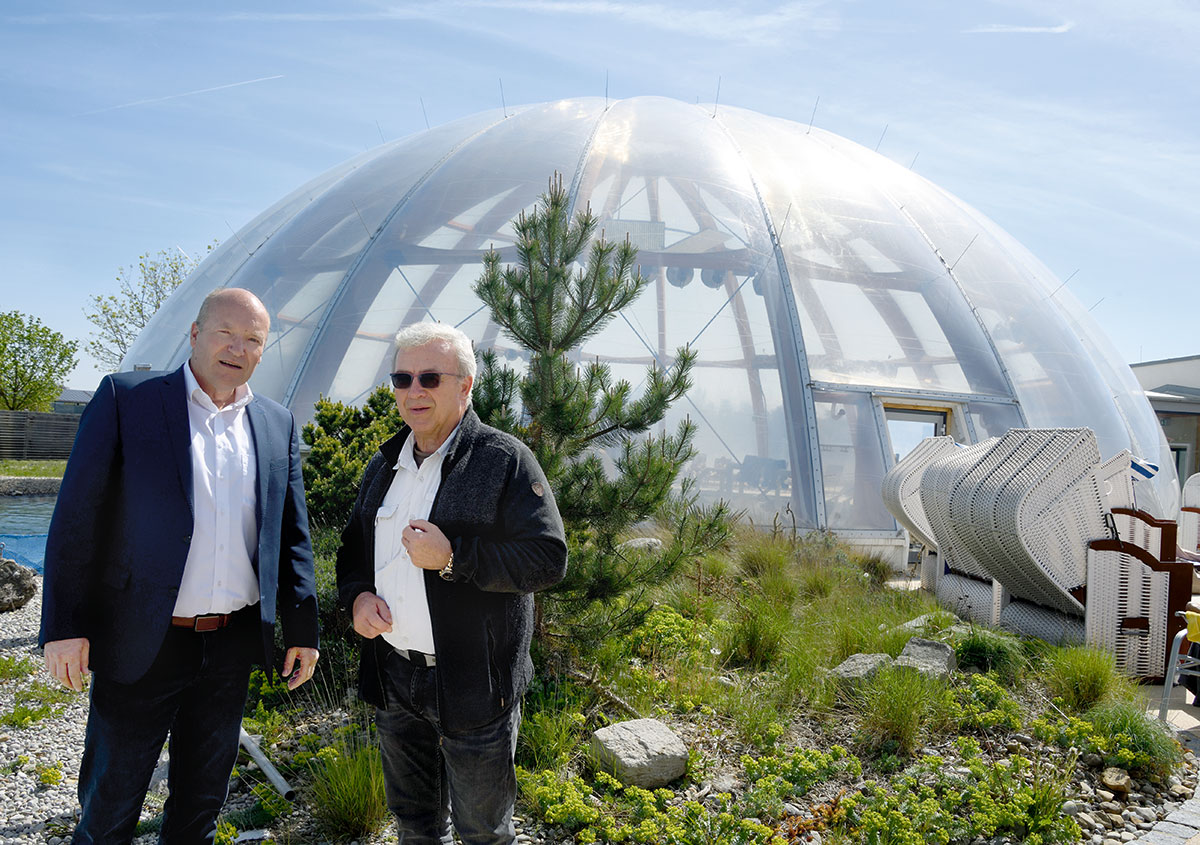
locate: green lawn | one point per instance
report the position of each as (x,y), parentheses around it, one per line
(33,469)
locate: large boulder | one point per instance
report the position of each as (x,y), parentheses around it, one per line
(641,752)
(18,584)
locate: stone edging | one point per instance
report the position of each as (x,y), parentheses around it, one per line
(11,485)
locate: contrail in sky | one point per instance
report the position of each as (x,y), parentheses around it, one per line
(1005,28)
(177,96)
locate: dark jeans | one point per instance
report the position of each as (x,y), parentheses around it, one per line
(195,691)
(431,776)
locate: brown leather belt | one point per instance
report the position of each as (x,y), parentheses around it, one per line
(203,623)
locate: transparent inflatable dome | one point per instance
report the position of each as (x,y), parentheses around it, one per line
(841,305)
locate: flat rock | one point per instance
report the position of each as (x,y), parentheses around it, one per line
(932,659)
(860,667)
(1116,779)
(641,752)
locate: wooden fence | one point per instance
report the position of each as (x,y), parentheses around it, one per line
(28,435)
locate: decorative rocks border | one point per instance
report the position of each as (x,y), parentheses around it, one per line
(11,485)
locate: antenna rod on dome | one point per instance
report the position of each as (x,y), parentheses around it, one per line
(423,114)
(606,90)
(881,134)
(717,99)
(814,114)
(503,104)
(1063,285)
(964,252)
(914,161)
(380,128)
(242,242)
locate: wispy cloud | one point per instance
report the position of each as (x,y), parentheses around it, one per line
(1005,28)
(178,96)
(719,22)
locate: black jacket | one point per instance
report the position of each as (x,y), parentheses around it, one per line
(496,508)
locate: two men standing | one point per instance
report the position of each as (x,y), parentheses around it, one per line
(181,532)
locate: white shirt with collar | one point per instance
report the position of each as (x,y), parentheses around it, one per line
(219,576)
(397,581)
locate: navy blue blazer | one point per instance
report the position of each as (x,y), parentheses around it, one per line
(122,525)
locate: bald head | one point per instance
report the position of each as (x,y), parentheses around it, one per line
(228,339)
(236,296)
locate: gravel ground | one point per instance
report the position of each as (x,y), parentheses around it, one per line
(31,755)
(39,767)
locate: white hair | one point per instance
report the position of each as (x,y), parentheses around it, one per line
(420,334)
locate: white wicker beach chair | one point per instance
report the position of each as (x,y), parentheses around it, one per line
(938,484)
(902,487)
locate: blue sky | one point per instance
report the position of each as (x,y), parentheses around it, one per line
(126,128)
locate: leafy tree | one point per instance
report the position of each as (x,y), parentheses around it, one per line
(343,439)
(34,361)
(550,303)
(119,317)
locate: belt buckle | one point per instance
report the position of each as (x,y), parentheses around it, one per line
(207,622)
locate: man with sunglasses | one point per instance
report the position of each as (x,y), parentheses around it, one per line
(454,529)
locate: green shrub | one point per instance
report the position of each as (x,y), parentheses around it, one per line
(1120,732)
(552,724)
(270,724)
(760,556)
(343,439)
(347,796)
(1082,676)
(992,651)
(895,707)
(1139,743)
(757,635)
(984,705)
(875,569)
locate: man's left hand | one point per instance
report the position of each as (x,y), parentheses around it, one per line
(304,671)
(427,546)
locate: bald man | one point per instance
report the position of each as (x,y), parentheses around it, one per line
(179,534)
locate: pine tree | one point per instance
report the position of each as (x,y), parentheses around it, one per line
(550,303)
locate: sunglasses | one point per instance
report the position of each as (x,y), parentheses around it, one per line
(429,381)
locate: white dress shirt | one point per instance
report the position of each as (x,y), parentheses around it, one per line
(218,576)
(397,581)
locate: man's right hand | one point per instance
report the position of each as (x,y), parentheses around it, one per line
(372,616)
(67,660)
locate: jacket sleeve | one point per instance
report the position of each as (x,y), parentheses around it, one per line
(527,551)
(79,527)
(297,599)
